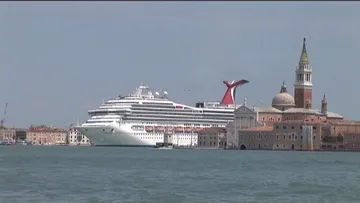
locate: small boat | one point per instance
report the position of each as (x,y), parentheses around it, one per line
(164,146)
(5,142)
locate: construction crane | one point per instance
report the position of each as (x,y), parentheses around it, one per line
(3,119)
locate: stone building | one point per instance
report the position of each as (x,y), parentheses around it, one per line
(20,134)
(330,129)
(75,137)
(341,135)
(286,135)
(7,134)
(46,135)
(351,142)
(212,138)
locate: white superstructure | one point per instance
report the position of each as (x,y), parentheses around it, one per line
(141,118)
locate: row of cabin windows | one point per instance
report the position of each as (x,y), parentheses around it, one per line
(292,127)
(160,138)
(156,134)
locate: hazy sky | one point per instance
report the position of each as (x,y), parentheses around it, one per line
(60,59)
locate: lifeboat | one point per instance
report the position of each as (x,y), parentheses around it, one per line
(149,128)
(159,128)
(188,129)
(178,129)
(169,128)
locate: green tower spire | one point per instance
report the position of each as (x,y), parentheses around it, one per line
(304,57)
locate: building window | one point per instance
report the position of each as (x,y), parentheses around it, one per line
(277,127)
(284,127)
(313,137)
(301,137)
(284,137)
(277,136)
(292,127)
(314,127)
(289,137)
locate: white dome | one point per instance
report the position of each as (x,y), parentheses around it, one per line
(283,99)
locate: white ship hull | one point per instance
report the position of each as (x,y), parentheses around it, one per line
(113,135)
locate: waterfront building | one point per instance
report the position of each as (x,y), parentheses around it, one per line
(212,138)
(286,135)
(46,135)
(290,122)
(7,134)
(75,137)
(351,141)
(20,134)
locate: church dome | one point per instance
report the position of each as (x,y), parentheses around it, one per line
(283,99)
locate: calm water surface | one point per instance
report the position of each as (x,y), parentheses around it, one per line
(95,174)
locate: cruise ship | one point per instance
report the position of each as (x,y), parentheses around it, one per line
(143,117)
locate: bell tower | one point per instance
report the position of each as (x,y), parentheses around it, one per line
(324,105)
(303,81)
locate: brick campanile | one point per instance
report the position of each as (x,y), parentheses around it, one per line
(303,81)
